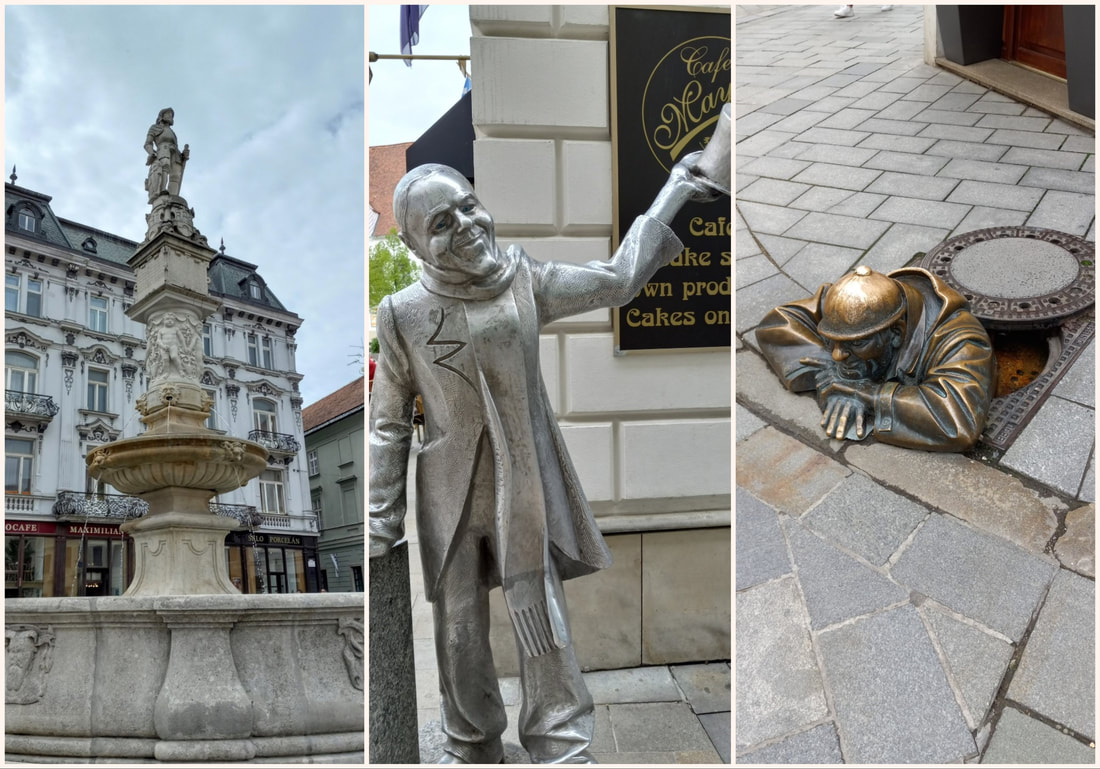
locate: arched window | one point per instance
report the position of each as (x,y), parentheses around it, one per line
(21,372)
(26,219)
(263,415)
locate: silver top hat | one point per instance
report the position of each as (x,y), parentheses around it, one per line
(714,164)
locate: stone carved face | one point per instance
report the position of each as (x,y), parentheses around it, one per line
(446,226)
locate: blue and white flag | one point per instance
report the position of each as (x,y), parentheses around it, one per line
(467,86)
(410,28)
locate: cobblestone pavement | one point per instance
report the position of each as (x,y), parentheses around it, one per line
(663,714)
(898,606)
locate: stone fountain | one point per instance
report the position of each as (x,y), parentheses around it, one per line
(182,667)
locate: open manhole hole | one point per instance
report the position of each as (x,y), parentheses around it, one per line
(1033,289)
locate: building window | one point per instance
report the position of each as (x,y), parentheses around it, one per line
(357,578)
(97,389)
(18,461)
(27,221)
(315,503)
(253,350)
(263,415)
(265,352)
(314,465)
(97,313)
(272,499)
(211,421)
(21,372)
(23,296)
(254,290)
(207,341)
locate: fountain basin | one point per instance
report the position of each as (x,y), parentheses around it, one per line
(185,678)
(150,462)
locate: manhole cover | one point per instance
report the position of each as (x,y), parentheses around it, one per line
(1018,277)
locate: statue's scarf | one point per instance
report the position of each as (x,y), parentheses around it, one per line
(503,366)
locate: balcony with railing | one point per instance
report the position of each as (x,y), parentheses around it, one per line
(281,448)
(29,409)
(284,522)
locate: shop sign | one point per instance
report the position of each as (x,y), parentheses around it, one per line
(29,527)
(670,79)
(91,530)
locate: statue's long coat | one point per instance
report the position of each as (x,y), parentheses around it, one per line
(429,348)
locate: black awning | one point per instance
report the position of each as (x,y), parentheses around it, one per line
(450,141)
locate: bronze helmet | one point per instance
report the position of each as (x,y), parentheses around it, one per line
(860,304)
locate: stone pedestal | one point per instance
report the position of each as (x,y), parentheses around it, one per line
(179,553)
(394,737)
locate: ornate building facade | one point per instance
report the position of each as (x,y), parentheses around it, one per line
(74,367)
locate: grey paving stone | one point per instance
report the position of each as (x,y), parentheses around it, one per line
(896,143)
(957,133)
(966,149)
(868,663)
(955,101)
(657,726)
(786,106)
(1062,127)
(833,175)
(859,204)
(981,217)
(744,243)
(1012,138)
(1070,212)
(780,249)
(906,85)
(705,686)
(1037,124)
(1026,156)
(799,122)
(975,574)
(837,230)
(900,243)
(1076,549)
(761,549)
(1089,165)
(838,136)
(1057,179)
(819,745)
(865,518)
(754,122)
(779,686)
(913,185)
(983,171)
(837,155)
(821,198)
(603,736)
(819,263)
(773,191)
(1079,144)
(1088,484)
(882,102)
(930,213)
(814,92)
(718,727)
(1079,383)
(908,162)
(646,684)
(857,89)
(847,118)
(747,423)
(754,269)
(897,110)
(744,180)
(775,168)
(1058,668)
(831,104)
(995,106)
(947,117)
(976,660)
(1019,739)
(893,127)
(756,384)
(768,219)
(1006,195)
(1042,452)
(755,301)
(784,473)
(763,142)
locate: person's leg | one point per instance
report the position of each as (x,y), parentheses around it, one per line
(844,12)
(557,717)
(470,704)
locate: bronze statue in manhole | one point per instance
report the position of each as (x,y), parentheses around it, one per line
(896,357)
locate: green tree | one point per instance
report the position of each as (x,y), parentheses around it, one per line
(391,268)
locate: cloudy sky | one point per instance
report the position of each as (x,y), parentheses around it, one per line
(395,116)
(270,99)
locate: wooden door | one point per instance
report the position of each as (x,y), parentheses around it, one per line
(1034,35)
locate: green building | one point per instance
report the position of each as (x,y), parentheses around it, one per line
(337,475)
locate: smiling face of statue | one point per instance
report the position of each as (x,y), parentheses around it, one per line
(447,227)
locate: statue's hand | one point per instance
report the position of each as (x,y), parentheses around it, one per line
(841,411)
(683,174)
(862,391)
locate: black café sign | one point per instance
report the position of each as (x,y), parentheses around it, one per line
(670,79)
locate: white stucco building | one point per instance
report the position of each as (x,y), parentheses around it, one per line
(74,368)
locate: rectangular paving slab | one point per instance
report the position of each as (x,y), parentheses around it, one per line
(976,574)
(1020,739)
(786,474)
(819,745)
(893,703)
(761,549)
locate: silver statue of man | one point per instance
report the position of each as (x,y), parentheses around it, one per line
(498,500)
(164,159)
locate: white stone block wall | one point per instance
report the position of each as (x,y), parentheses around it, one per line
(648,432)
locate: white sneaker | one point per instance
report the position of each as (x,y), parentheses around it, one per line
(887,7)
(844,11)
